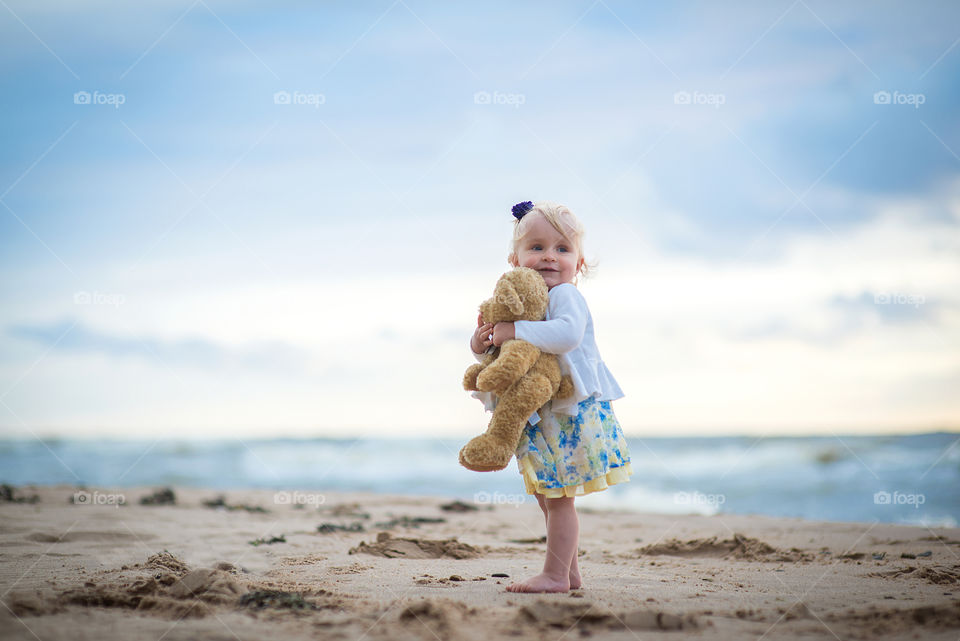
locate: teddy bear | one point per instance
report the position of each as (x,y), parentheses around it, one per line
(522,377)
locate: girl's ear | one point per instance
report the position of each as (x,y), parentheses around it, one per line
(512,259)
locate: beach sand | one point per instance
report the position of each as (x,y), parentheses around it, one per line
(372,566)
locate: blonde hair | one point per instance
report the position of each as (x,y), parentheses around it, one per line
(560,218)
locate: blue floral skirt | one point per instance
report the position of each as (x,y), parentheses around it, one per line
(574,455)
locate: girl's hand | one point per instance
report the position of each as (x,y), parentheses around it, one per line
(481,338)
(502,332)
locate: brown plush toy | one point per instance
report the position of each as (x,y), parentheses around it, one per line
(522,377)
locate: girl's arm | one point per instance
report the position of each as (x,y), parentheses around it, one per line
(568,321)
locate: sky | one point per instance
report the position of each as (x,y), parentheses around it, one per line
(241,219)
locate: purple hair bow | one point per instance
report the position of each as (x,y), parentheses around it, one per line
(520,209)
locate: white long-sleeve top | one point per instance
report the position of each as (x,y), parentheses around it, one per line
(567,331)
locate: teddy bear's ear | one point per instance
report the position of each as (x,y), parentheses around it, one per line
(506,294)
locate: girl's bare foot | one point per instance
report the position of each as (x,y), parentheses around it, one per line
(540,583)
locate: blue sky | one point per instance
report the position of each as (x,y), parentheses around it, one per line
(777,255)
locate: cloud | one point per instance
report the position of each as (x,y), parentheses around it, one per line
(274,357)
(402,183)
(847,317)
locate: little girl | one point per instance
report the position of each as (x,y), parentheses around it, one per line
(577,446)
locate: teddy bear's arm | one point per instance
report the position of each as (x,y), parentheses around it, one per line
(515,359)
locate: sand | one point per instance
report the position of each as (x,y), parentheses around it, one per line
(245,565)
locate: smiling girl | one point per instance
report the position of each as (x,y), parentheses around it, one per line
(577,447)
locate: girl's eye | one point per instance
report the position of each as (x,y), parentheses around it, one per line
(536,248)
(563,249)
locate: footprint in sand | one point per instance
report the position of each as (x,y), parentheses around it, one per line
(877,621)
(587,616)
(403,548)
(97,536)
(739,547)
(166,587)
(938,574)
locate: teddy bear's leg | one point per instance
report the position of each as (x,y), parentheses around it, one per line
(515,359)
(470,376)
(492,450)
(549,366)
(566,388)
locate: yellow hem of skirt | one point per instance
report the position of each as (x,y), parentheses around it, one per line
(534,486)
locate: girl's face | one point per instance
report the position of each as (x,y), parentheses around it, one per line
(549,252)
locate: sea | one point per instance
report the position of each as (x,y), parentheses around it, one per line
(910,479)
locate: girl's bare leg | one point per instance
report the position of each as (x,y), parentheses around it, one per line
(575,581)
(563,533)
